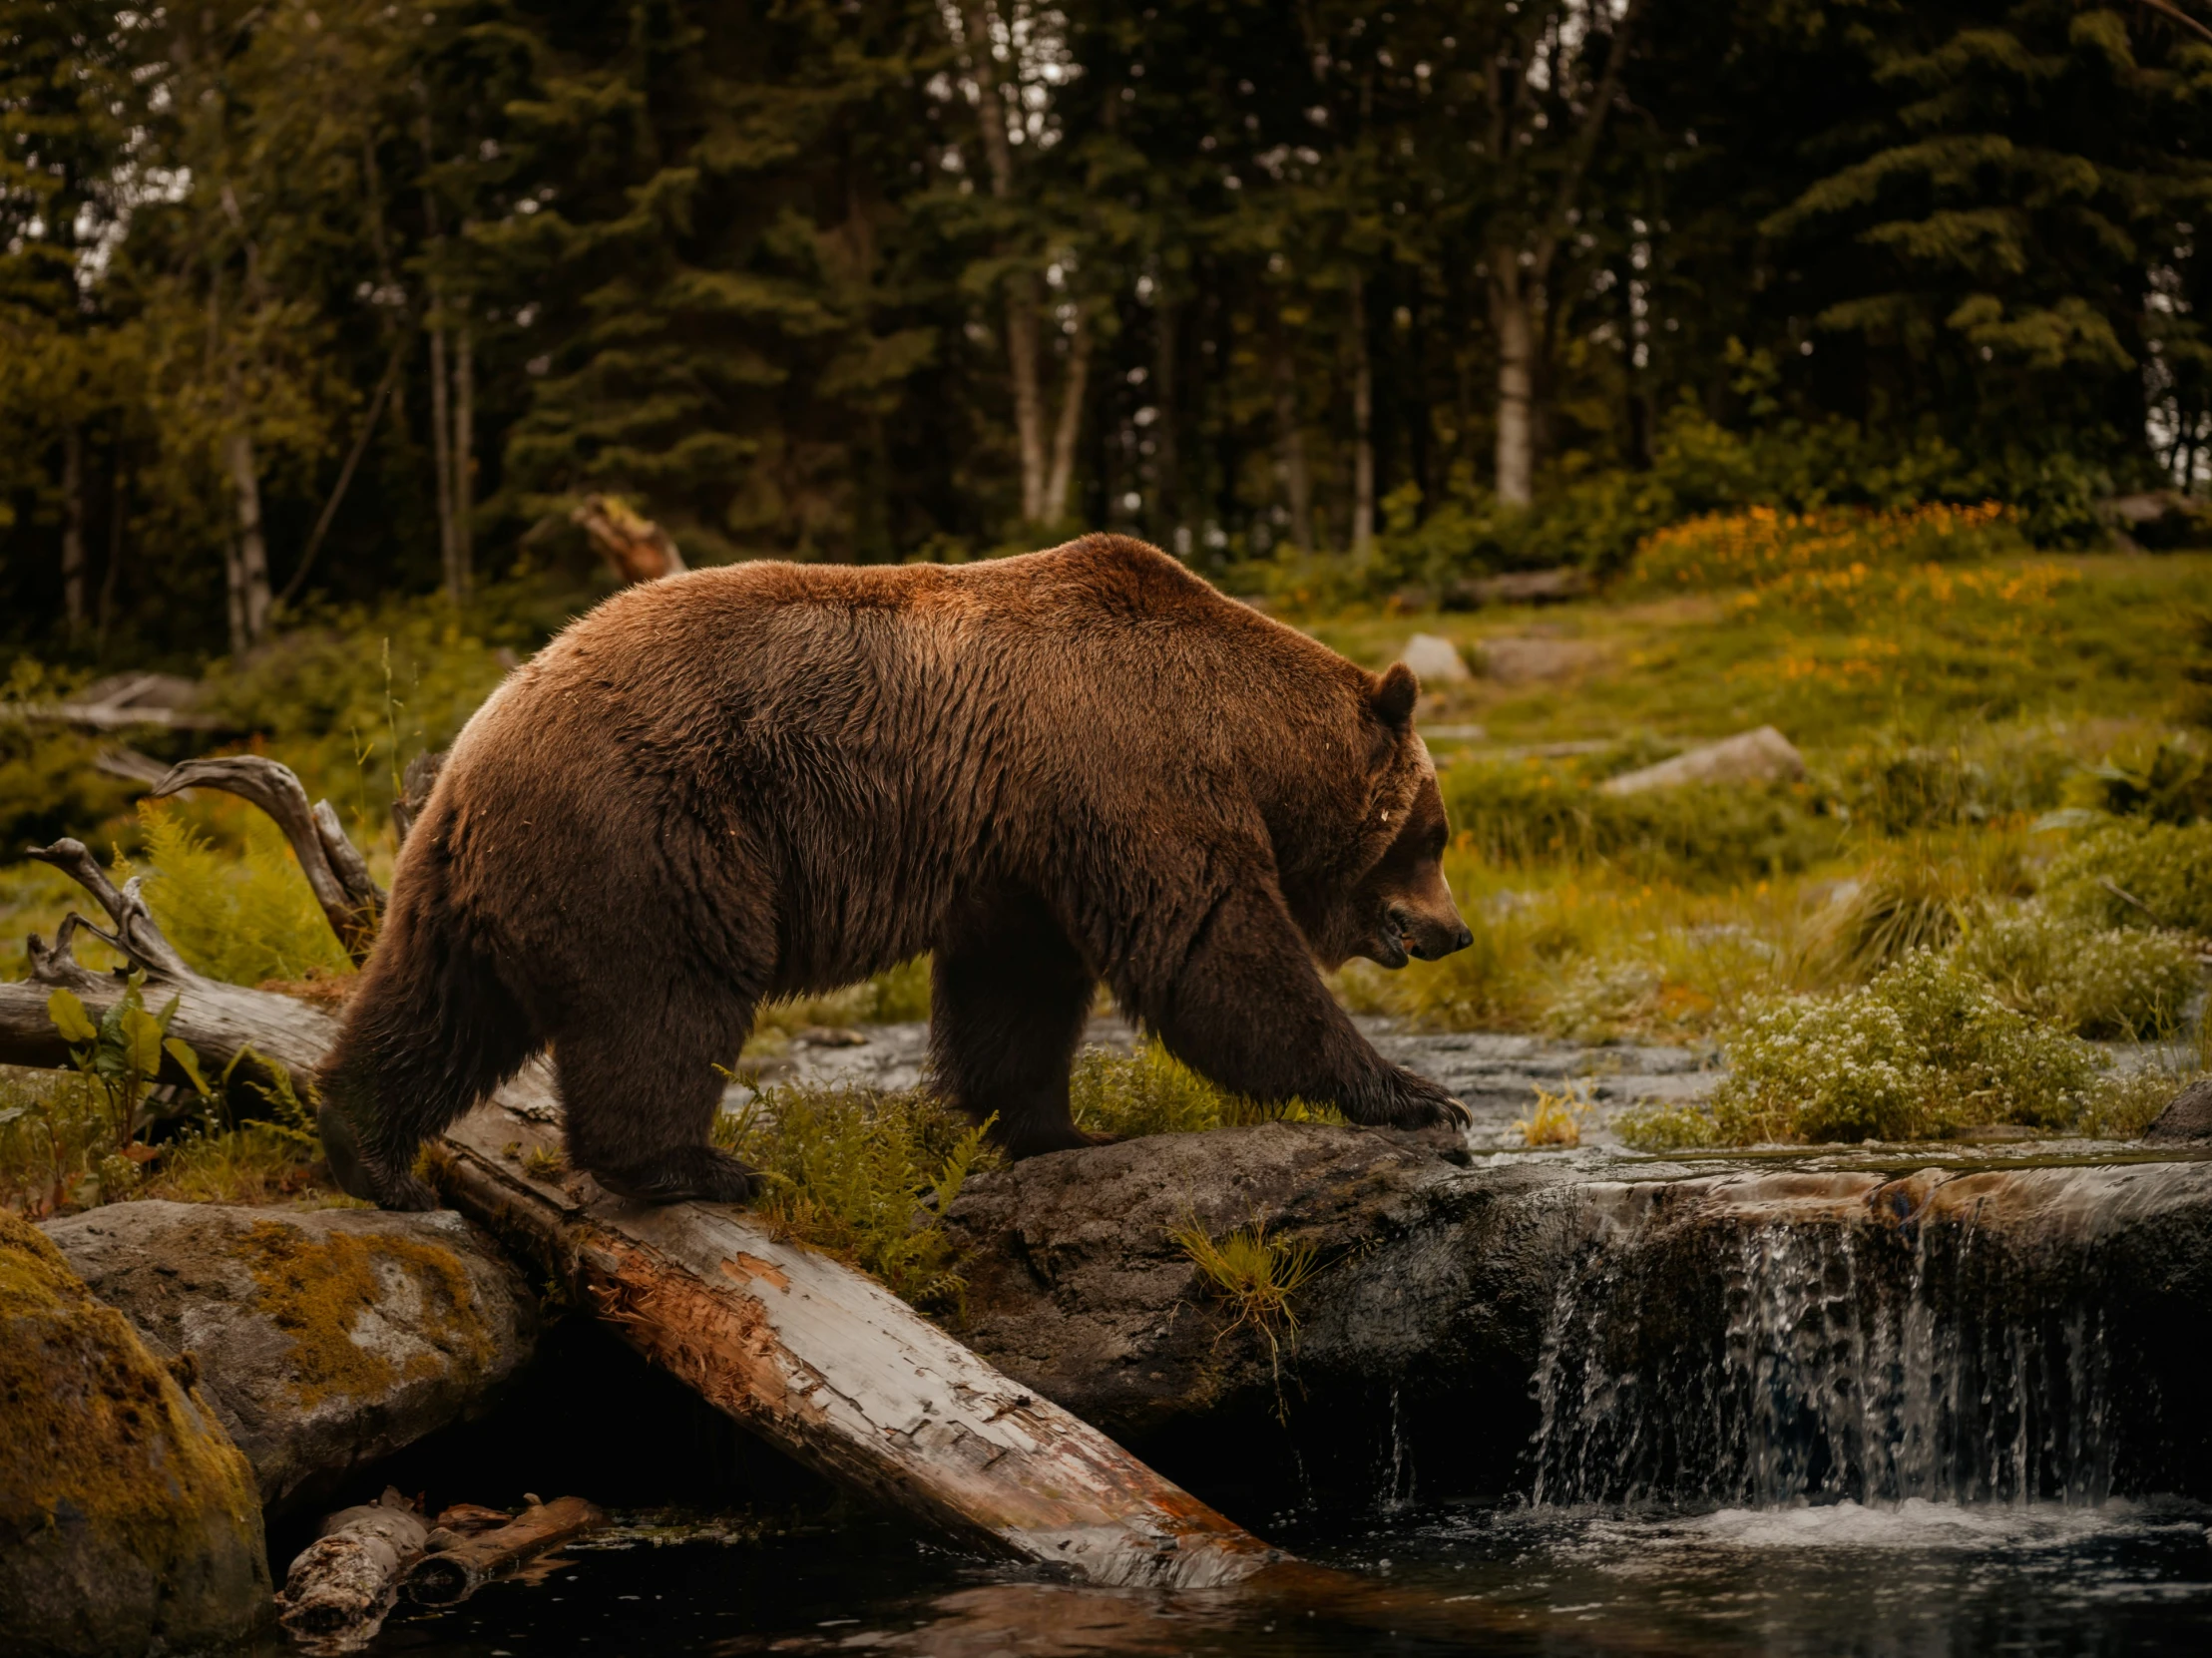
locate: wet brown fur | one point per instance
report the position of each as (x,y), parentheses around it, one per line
(772,779)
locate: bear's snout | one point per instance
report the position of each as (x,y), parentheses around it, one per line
(1427,937)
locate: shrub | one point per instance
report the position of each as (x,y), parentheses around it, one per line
(1926,1047)
(865,1178)
(2108,981)
(1151,1091)
(2167,781)
(2136,874)
(1762,548)
(49,786)
(1893,785)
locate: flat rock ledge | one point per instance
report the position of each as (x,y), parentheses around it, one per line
(128,1519)
(325,1340)
(1448,1279)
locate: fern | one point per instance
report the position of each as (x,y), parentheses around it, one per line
(247,917)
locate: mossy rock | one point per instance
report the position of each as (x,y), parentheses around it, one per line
(129,1521)
(327,1339)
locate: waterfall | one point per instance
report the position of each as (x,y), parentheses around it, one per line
(1733,1359)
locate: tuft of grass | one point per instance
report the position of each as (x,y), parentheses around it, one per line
(866,1178)
(1557,1118)
(1151,1091)
(1908,899)
(1255,1277)
(900,995)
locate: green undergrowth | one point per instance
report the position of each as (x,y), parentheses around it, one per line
(865,1178)
(1925,1049)
(1151,1091)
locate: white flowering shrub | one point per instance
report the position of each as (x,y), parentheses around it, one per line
(1927,1045)
(2094,980)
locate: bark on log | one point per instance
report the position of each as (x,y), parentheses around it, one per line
(341,1585)
(817,1358)
(450,1575)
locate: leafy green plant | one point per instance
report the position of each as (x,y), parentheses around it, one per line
(1926,1047)
(1151,1091)
(55,1135)
(866,1178)
(2165,781)
(121,1053)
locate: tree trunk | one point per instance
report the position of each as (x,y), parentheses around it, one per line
(1297,479)
(441,449)
(1020,284)
(73,529)
(1511,319)
(818,1359)
(1363,430)
(464,462)
(249,571)
(119,513)
(1075,384)
(1166,456)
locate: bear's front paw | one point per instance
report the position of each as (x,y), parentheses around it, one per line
(687,1174)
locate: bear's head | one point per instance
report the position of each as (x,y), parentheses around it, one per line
(1398,906)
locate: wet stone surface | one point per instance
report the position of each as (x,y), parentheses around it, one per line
(1496,1075)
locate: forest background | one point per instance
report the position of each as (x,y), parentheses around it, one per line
(305,305)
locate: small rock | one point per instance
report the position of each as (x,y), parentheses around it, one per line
(2188,1117)
(1434,661)
(1761,756)
(1526,587)
(325,1339)
(128,1519)
(1517,661)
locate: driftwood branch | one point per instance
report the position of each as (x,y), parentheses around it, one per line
(635,548)
(335,870)
(452,1573)
(816,1357)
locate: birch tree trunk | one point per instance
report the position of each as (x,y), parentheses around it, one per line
(248,572)
(1075,384)
(72,528)
(1511,319)
(1166,455)
(1020,284)
(1363,430)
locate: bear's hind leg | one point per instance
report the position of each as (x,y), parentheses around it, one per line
(1008,999)
(639,1095)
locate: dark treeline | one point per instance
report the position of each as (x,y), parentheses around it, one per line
(319,301)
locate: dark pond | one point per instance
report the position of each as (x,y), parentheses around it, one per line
(1910,1579)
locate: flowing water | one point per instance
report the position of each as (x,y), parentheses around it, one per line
(1757,1434)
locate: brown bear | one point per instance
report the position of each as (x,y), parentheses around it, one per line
(774,779)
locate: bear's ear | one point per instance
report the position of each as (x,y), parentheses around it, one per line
(1396,695)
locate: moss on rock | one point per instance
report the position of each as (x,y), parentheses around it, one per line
(127,1517)
(317,1290)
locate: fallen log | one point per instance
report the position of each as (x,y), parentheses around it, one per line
(448,1575)
(816,1357)
(341,1585)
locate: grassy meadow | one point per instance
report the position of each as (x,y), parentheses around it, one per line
(1999,855)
